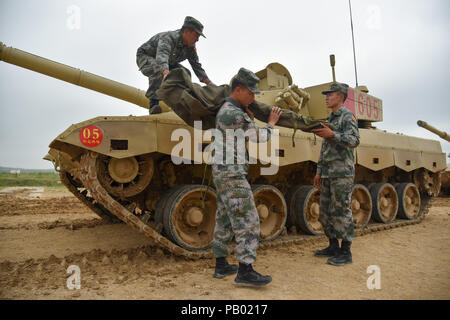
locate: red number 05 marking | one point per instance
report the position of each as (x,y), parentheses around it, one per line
(91,136)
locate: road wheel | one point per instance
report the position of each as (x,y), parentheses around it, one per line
(272,211)
(408,200)
(125,177)
(161,207)
(188,221)
(304,202)
(361,205)
(384,202)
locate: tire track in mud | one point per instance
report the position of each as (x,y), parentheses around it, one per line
(99,267)
(47,222)
(19,211)
(20,245)
(11,205)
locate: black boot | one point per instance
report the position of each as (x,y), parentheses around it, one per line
(224,269)
(344,256)
(248,277)
(331,251)
(154,107)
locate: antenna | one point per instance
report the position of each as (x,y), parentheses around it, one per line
(332,63)
(353,40)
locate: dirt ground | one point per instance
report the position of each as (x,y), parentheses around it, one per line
(42,233)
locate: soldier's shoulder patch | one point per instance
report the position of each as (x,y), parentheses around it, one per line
(349,114)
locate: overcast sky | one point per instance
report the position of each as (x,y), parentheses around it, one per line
(402,50)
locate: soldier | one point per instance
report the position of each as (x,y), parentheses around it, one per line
(335,175)
(164,52)
(236,213)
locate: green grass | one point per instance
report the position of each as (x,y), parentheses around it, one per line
(30,179)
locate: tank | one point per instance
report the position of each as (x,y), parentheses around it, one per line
(445,176)
(122,167)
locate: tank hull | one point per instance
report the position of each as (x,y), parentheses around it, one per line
(378,149)
(378,161)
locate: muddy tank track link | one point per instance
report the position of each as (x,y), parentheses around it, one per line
(105,206)
(88,176)
(85,199)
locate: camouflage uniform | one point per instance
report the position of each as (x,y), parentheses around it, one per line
(165,51)
(336,168)
(236,213)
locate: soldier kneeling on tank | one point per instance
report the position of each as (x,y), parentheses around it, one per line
(335,174)
(236,213)
(164,52)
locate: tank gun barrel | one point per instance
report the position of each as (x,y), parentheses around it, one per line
(440,133)
(73,75)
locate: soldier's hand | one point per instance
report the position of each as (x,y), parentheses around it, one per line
(324,132)
(274,115)
(317,181)
(165,73)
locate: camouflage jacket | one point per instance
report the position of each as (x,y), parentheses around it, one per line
(232,121)
(168,49)
(336,156)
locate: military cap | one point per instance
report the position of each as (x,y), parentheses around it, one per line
(193,24)
(249,79)
(337,87)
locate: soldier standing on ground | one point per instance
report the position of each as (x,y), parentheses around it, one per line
(335,175)
(236,213)
(164,52)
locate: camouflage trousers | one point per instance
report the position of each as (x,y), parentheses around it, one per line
(236,216)
(335,214)
(155,77)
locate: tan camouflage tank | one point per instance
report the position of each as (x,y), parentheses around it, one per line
(445,176)
(122,169)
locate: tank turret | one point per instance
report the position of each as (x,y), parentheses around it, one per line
(367,108)
(440,133)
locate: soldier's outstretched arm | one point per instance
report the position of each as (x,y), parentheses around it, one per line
(288,118)
(262,112)
(264,134)
(197,67)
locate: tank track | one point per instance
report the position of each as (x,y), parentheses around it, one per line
(88,176)
(84,198)
(370,228)
(105,206)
